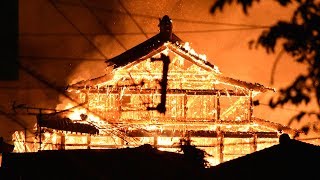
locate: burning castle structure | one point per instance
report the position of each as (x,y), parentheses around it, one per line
(161,91)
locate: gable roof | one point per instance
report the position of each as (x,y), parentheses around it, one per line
(140,51)
(156,44)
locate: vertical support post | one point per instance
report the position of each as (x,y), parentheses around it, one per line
(63,142)
(250,105)
(214,108)
(185,106)
(39,123)
(218,106)
(118,100)
(221,146)
(88,141)
(152,114)
(155,141)
(254,143)
(25,139)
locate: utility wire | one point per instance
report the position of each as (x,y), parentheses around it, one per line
(24,88)
(30,34)
(138,33)
(130,15)
(218,30)
(174,19)
(76,28)
(220,23)
(14,119)
(40,58)
(46,82)
(105,28)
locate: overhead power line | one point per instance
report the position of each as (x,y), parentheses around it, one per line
(41,58)
(138,33)
(131,16)
(26,34)
(26,88)
(156,17)
(14,118)
(76,28)
(218,30)
(105,28)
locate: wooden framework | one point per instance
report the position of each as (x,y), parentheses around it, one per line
(201,103)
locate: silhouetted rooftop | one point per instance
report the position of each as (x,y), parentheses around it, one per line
(144,162)
(289,159)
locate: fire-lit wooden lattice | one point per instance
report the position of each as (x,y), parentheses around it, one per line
(213,110)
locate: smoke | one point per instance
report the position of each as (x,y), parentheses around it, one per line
(54,48)
(51,45)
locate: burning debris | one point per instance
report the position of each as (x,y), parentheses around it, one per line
(54,121)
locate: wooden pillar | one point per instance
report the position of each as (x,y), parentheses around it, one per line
(155,141)
(40,138)
(25,140)
(119,106)
(185,106)
(218,106)
(105,105)
(221,146)
(250,105)
(254,143)
(62,142)
(88,141)
(40,130)
(214,108)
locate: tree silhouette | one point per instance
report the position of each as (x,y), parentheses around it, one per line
(192,154)
(300,38)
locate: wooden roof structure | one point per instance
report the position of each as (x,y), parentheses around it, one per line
(165,39)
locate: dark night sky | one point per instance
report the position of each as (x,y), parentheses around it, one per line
(51,44)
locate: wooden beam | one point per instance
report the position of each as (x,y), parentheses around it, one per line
(169,91)
(200,133)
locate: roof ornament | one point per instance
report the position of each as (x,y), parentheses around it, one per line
(165,25)
(284,138)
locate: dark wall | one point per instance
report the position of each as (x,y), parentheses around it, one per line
(9,40)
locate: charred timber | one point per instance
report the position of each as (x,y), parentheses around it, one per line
(161,107)
(183,121)
(201,133)
(169,91)
(65,124)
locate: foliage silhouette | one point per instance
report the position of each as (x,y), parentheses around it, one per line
(300,38)
(192,154)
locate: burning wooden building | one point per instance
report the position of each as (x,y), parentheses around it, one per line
(161,91)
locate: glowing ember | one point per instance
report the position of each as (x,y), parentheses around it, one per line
(76,113)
